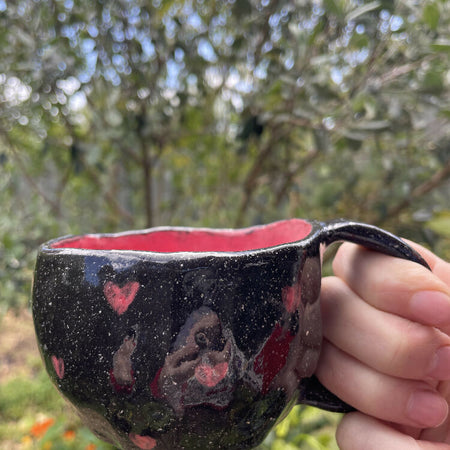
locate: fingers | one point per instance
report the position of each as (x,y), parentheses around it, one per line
(398,286)
(407,402)
(358,431)
(439,267)
(441,433)
(383,341)
(386,323)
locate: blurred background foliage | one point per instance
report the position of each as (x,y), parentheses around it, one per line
(136,113)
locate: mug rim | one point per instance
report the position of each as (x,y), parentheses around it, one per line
(50,247)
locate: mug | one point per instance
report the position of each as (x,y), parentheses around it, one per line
(190,338)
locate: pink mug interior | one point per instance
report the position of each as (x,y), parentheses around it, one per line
(167,240)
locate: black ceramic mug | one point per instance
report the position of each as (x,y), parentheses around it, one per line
(184,338)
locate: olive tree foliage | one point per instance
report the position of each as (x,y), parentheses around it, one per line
(134,113)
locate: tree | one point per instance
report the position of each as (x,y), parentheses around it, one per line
(130,114)
(134,113)
(124,100)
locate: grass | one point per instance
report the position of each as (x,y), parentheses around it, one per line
(34,416)
(32,413)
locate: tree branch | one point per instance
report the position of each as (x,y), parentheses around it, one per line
(419,191)
(288,178)
(147,174)
(251,180)
(110,198)
(54,205)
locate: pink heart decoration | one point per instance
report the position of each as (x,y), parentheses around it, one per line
(208,375)
(143,442)
(118,297)
(58,365)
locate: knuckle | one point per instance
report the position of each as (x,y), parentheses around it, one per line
(412,348)
(409,277)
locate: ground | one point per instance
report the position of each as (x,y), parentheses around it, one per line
(19,357)
(17,344)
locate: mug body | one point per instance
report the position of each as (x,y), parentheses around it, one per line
(175,338)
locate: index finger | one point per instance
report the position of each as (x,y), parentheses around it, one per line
(396,285)
(438,266)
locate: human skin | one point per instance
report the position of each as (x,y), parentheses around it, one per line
(386,349)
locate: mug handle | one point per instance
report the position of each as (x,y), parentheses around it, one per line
(369,236)
(312,392)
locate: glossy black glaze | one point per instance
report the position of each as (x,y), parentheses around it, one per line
(189,350)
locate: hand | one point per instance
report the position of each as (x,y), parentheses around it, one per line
(387,349)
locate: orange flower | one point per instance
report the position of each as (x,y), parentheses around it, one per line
(90,447)
(40,428)
(69,435)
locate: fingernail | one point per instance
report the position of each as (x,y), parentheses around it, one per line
(440,369)
(431,307)
(427,409)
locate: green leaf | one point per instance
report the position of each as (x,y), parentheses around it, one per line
(357,12)
(334,7)
(433,82)
(317,30)
(372,125)
(355,135)
(242,9)
(431,15)
(360,40)
(440,224)
(441,45)
(445,113)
